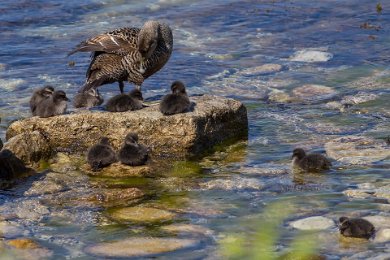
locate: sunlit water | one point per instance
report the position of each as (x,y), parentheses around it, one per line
(214,43)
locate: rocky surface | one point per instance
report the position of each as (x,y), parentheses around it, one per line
(213,120)
(313,223)
(357,149)
(139,246)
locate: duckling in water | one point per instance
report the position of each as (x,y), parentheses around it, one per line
(132,153)
(53,106)
(177,102)
(125,102)
(311,162)
(38,96)
(89,98)
(356,227)
(101,155)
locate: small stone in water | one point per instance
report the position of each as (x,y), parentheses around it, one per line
(23,243)
(311,56)
(142,214)
(313,223)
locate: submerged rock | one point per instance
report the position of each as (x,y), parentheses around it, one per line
(313,223)
(139,247)
(11,230)
(11,168)
(185,229)
(142,214)
(233,184)
(262,69)
(23,243)
(213,120)
(357,149)
(359,98)
(312,92)
(119,170)
(311,56)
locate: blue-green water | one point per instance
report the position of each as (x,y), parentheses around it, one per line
(215,45)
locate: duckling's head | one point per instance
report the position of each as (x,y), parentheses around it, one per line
(47,91)
(131,138)
(137,94)
(178,87)
(298,153)
(60,95)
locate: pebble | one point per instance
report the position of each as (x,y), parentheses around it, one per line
(311,56)
(139,247)
(313,92)
(359,98)
(313,223)
(237,183)
(187,228)
(262,69)
(142,214)
(11,230)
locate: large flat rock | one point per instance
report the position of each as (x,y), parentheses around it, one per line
(213,120)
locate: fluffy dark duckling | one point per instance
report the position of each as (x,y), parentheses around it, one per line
(125,102)
(311,162)
(132,153)
(177,102)
(38,96)
(356,227)
(89,98)
(101,155)
(53,106)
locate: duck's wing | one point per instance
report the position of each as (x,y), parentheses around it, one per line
(120,41)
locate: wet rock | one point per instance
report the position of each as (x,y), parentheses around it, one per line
(23,243)
(313,223)
(30,147)
(263,69)
(41,187)
(357,149)
(280,96)
(11,230)
(359,98)
(379,221)
(188,229)
(119,170)
(139,247)
(311,92)
(213,120)
(383,192)
(233,184)
(311,56)
(382,235)
(142,214)
(64,163)
(11,168)
(117,195)
(360,194)
(31,210)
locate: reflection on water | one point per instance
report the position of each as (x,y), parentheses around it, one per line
(220,47)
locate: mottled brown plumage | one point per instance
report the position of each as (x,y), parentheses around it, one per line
(127,54)
(310,162)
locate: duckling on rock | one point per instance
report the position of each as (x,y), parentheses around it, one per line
(38,96)
(132,153)
(125,102)
(101,155)
(89,98)
(356,227)
(177,102)
(53,106)
(309,162)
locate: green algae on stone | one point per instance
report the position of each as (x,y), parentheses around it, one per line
(139,247)
(185,169)
(119,170)
(142,214)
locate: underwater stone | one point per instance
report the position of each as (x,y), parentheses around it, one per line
(313,223)
(142,214)
(312,92)
(139,246)
(214,120)
(311,56)
(358,150)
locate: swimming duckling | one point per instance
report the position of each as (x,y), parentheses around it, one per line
(125,102)
(177,102)
(132,153)
(38,96)
(101,155)
(53,106)
(311,162)
(89,98)
(356,227)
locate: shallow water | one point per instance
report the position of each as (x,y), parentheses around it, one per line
(217,46)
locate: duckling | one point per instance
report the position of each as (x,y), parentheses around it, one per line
(125,102)
(38,96)
(132,153)
(53,106)
(177,102)
(89,98)
(356,227)
(101,155)
(311,162)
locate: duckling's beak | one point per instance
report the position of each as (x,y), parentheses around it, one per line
(67,99)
